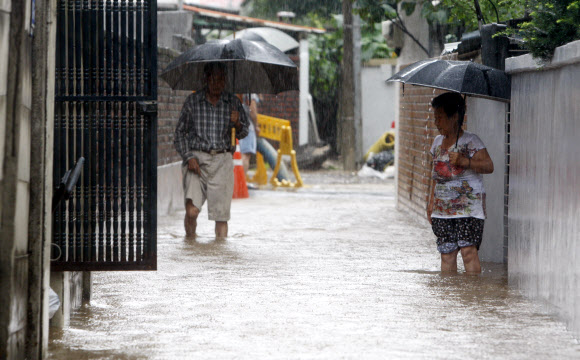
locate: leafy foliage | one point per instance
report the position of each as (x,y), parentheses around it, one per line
(454,12)
(462,12)
(267,9)
(554,23)
(325,57)
(326,49)
(326,52)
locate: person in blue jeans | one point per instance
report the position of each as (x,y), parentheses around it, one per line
(248,144)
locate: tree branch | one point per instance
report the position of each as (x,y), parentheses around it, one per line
(402,26)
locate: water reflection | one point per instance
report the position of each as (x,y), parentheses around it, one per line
(332,275)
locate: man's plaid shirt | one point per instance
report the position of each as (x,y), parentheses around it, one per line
(204,127)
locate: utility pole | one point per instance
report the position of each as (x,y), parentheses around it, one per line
(347,123)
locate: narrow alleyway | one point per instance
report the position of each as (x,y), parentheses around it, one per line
(331,271)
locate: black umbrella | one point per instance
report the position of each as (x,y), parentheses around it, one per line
(464,77)
(253,67)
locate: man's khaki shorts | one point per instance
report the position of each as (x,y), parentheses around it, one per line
(216,184)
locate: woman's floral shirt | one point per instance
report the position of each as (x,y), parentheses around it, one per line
(459,192)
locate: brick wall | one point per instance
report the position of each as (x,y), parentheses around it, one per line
(416,134)
(169,107)
(285,105)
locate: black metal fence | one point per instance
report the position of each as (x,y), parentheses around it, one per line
(105,111)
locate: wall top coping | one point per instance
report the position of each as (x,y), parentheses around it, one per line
(564,55)
(379,62)
(168,51)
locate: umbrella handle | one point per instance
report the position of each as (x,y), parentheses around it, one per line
(233,136)
(460,121)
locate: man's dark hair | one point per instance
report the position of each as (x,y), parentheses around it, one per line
(210,67)
(451,103)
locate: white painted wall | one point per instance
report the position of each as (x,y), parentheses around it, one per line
(544,200)
(171,23)
(304,93)
(379,102)
(486,118)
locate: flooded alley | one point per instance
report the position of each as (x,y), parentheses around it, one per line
(330,271)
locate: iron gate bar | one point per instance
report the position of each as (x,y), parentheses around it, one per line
(79,127)
(106,65)
(83,98)
(86,40)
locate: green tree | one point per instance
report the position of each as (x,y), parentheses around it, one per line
(267,9)
(554,23)
(456,14)
(325,50)
(462,12)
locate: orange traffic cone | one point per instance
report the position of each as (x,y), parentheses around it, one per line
(240,187)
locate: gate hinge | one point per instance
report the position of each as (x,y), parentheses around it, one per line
(147,107)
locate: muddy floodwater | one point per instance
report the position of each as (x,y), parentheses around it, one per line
(331,271)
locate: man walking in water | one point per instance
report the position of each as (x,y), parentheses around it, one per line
(204,141)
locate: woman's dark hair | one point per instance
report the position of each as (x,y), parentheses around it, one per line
(451,103)
(209,68)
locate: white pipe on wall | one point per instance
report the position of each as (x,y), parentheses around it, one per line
(304,92)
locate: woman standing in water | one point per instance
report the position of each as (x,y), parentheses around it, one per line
(456,207)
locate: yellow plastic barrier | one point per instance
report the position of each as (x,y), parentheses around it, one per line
(278,130)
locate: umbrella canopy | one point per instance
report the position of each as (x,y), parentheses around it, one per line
(272,36)
(464,77)
(253,67)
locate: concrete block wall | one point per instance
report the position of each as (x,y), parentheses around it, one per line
(544,201)
(15,141)
(69,286)
(4,41)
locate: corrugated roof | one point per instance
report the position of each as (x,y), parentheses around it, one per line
(251,21)
(232,5)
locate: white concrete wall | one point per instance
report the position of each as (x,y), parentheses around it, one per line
(379,103)
(486,118)
(169,189)
(418,26)
(15,141)
(4,41)
(544,199)
(171,23)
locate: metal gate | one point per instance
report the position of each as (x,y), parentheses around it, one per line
(106,112)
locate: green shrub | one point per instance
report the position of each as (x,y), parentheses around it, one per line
(554,23)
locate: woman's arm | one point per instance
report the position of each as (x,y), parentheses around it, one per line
(480,162)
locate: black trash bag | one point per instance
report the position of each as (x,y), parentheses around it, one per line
(381,160)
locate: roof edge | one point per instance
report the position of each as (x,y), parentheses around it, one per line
(253,21)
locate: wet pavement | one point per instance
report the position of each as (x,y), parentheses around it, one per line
(330,271)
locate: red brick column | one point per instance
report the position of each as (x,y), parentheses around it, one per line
(416,134)
(169,103)
(285,105)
